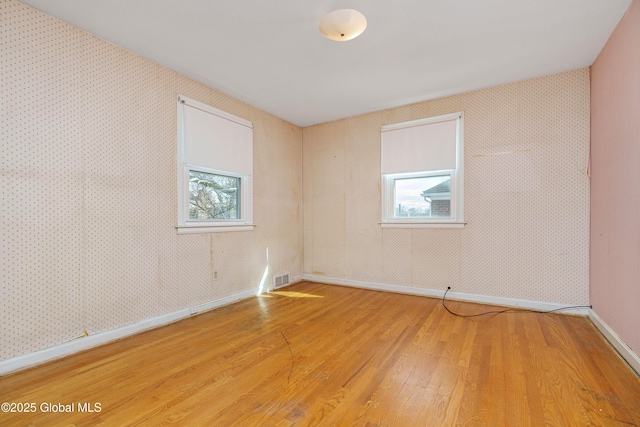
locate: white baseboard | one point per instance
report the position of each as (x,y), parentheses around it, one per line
(85,343)
(458,296)
(616,342)
(623,349)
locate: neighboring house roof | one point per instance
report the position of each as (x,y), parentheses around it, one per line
(443,187)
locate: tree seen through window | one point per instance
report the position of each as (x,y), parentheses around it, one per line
(213,196)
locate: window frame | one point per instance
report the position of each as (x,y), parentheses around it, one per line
(187,225)
(389,220)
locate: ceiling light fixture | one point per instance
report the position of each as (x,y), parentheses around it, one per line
(342,25)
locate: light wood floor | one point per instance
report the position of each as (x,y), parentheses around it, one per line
(326,355)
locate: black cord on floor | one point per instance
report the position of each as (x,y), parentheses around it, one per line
(525,310)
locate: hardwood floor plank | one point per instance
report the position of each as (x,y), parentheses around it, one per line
(314,354)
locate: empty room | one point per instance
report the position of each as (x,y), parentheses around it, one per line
(332,213)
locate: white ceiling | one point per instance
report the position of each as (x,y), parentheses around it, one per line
(271,55)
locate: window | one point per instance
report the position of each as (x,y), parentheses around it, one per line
(213,196)
(422,173)
(215,167)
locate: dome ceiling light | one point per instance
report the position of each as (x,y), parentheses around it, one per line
(342,25)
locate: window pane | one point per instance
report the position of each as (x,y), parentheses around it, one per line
(213,196)
(423,197)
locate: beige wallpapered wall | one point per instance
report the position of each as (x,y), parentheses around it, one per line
(88,190)
(88,193)
(527,235)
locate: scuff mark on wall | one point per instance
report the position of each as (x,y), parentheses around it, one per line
(583,170)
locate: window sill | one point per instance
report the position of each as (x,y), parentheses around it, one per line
(422,224)
(193,229)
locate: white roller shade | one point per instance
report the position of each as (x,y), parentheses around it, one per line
(419,147)
(217,141)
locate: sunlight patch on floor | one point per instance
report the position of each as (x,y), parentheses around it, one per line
(295,294)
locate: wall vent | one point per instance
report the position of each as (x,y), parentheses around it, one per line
(281,280)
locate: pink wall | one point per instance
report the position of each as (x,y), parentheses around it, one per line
(615,182)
